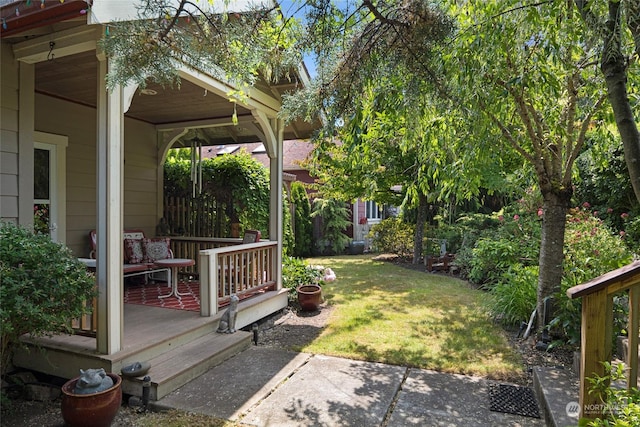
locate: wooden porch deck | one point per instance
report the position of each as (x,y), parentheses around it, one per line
(179,344)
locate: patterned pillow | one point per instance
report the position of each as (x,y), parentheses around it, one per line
(133,253)
(155,249)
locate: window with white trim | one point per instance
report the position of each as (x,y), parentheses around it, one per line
(373,211)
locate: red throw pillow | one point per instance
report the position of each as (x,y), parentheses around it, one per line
(133,253)
(155,249)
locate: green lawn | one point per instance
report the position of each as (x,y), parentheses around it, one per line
(390,314)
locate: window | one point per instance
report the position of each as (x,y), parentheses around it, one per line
(374,212)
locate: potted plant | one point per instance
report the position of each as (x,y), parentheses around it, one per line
(43,287)
(304,283)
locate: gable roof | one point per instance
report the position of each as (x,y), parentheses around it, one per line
(294,153)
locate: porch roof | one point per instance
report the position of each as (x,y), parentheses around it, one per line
(72,77)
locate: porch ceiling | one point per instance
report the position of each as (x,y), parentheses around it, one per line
(74,78)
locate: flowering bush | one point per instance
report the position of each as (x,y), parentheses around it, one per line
(504,260)
(591,249)
(295,272)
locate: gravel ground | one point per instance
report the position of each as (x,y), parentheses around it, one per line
(274,331)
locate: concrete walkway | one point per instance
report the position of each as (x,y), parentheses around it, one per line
(271,387)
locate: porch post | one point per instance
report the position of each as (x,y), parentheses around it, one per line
(276,181)
(110,134)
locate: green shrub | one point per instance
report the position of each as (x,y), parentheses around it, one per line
(43,287)
(465,231)
(392,236)
(513,299)
(621,406)
(504,260)
(335,220)
(296,272)
(491,259)
(591,249)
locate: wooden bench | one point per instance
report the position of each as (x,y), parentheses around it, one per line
(439,263)
(136,262)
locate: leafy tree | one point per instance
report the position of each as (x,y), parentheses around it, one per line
(616,24)
(241,47)
(524,74)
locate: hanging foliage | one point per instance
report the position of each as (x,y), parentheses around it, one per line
(237,183)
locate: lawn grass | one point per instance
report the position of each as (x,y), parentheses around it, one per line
(390,314)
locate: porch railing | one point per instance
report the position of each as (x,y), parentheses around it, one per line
(597,330)
(232,270)
(243,269)
(190,247)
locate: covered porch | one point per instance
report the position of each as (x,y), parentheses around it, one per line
(179,345)
(106,150)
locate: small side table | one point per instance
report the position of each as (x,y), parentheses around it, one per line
(174,264)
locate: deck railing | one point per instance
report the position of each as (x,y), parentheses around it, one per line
(190,247)
(597,330)
(230,270)
(244,270)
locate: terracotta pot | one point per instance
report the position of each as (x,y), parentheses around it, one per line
(91,410)
(309,297)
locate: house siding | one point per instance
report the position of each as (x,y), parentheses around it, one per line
(8,135)
(78,123)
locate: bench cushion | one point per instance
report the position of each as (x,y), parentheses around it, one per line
(155,249)
(133,253)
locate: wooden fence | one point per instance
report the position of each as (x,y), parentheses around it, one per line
(202,216)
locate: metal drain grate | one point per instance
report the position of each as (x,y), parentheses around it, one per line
(513,399)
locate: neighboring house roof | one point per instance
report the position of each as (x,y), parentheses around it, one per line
(295,151)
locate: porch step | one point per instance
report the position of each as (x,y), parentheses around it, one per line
(176,367)
(557,393)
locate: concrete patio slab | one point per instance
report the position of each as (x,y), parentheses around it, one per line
(269,387)
(430,398)
(329,391)
(232,388)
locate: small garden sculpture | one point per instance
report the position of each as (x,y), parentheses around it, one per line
(228,321)
(93,381)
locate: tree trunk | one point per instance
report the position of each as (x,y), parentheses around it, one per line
(556,205)
(420,220)
(616,77)
(614,67)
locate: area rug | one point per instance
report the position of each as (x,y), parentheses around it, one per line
(513,399)
(147,294)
